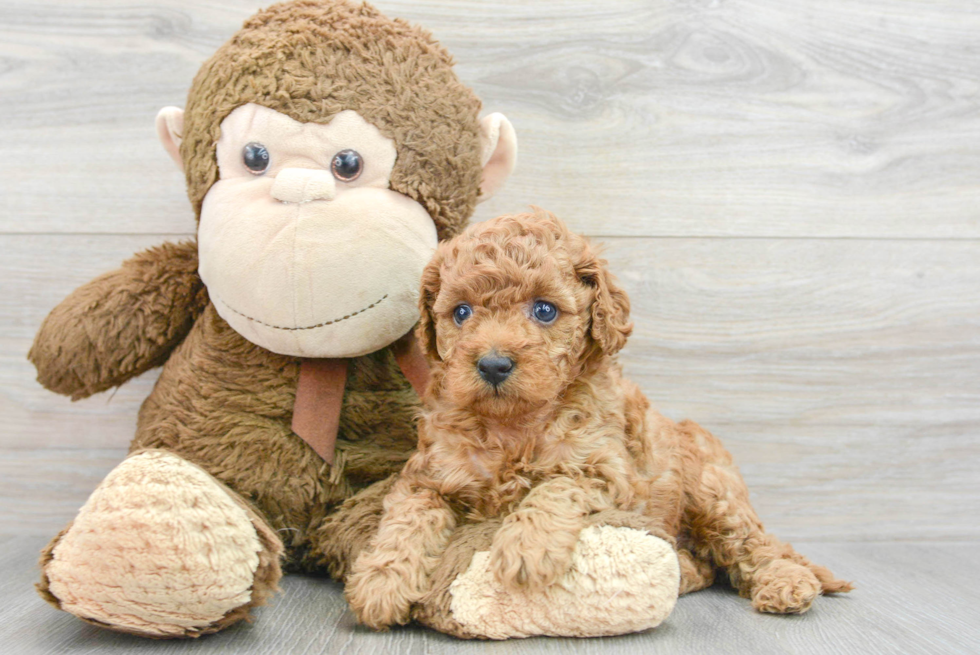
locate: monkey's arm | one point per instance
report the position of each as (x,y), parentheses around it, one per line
(120,324)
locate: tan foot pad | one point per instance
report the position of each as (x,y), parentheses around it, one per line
(159,549)
(622,580)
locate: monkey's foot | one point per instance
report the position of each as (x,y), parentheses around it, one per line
(621,580)
(162,549)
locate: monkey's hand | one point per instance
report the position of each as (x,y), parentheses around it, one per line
(120,324)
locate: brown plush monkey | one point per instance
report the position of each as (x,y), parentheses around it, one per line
(326,149)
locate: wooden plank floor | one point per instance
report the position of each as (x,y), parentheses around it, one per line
(912,598)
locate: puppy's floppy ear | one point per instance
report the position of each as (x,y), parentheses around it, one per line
(426,330)
(611,308)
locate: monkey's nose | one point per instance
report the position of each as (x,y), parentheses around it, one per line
(303,185)
(494,368)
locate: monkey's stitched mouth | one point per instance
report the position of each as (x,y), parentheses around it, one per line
(305,327)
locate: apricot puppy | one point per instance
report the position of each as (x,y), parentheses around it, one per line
(527,417)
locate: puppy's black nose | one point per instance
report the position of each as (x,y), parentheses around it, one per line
(494,368)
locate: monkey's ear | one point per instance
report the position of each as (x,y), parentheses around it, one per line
(498,155)
(611,308)
(426,331)
(170,129)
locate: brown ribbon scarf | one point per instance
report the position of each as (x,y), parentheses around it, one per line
(320,393)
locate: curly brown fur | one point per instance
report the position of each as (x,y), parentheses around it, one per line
(562,438)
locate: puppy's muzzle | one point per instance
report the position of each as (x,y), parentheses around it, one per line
(495,369)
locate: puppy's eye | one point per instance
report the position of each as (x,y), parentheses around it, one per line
(544,312)
(347,165)
(461,313)
(256,158)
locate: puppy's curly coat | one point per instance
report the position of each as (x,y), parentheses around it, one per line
(527,417)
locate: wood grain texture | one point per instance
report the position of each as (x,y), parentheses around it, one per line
(668,118)
(36,273)
(843,375)
(911,598)
(44,489)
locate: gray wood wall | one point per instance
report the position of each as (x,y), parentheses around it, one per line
(790,192)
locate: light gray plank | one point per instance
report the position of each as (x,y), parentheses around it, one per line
(671,119)
(82,85)
(846,333)
(911,598)
(844,375)
(36,273)
(840,332)
(740,117)
(42,490)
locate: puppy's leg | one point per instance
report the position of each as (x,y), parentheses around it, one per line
(696,573)
(534,545)
(727,531)
(394,571)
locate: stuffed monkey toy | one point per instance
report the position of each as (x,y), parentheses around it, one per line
(327,149)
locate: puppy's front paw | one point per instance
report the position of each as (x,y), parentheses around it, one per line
(525,556)
(378,596)
(784,587)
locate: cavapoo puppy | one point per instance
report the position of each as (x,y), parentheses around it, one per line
(527,417)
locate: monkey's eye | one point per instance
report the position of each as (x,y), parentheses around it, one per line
(461,313)
(544,312)
(347,165)
(256,158)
